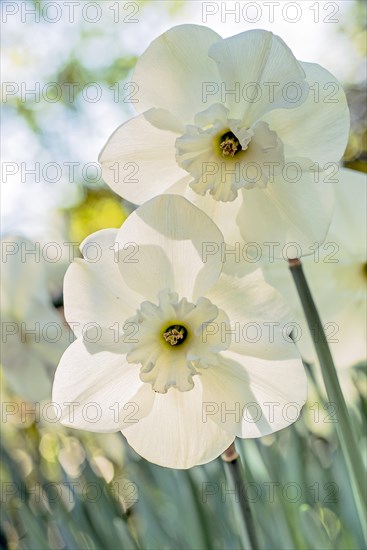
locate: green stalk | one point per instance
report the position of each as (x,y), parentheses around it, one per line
(235,476)
(344,428)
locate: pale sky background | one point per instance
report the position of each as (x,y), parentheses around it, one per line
(33,51)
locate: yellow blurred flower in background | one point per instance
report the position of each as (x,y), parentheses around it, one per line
(100,209)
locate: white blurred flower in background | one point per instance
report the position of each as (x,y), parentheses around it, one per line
(34,333)
(241,116)
(163,365)
(337,274)
(34,211)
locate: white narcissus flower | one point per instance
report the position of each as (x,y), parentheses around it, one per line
(240,127)
(34,334)
(155,356)
(337,275)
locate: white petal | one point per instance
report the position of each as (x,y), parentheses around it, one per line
(265,149)
(287,217)
(94,291)
(98,247)
(172,71)
(99,391)
(257,57)
(212,339)
(223,214)
(180,187)
(164,120)
(150,273)
(319,128)
(252,397)
(181,232)
(138,161)
(259,317)
(174,433)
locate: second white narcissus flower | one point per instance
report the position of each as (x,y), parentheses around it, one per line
(178,356)
(242,128)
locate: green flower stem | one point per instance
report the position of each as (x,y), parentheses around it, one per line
(344,428)
(235,476)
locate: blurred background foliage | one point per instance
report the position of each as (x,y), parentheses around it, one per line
(68,489)
(64,489)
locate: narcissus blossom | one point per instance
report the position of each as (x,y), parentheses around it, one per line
(337,274)
(34,334)
(177,355)
(240,127)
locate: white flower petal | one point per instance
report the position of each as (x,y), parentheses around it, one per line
(172,71)
(179,187)
(259,318)
(181,231)
(287,217)
(99,391)
(174,433)
(98,247)
(138,161)
(319,128)
(257,63)
(265,149)
(94,291)
(164,120)
(149,270)
(252,397)
(223,214)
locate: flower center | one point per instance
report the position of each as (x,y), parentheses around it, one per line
(163,328)
(175,335)
(229,144)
